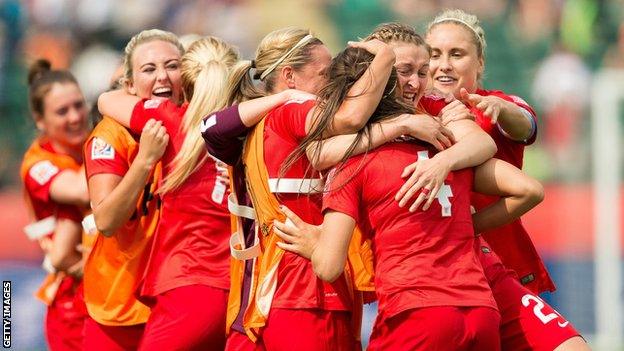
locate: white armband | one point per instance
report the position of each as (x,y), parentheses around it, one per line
(531,119)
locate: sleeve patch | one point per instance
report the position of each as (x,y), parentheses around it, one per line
(207,123)
(43,171)
(151,104)
(101,150)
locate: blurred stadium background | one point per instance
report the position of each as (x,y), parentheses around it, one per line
(565,57)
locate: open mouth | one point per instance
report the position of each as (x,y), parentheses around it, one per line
(164,92)
(445,79)
(409,96)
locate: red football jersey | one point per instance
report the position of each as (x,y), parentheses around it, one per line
(298,286)
(422,259)
(511,242)
(37,181)
(191,244)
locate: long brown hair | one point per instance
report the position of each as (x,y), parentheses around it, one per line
(345,69)
(41,78)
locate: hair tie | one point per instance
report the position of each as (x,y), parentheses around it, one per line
(457,20)
(253,63)
(299,44)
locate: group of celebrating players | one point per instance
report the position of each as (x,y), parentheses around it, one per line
(223,203)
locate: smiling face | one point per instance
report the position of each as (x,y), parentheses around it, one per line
(156,71)
(455,62)
(64,119)
(412,66)
(312,76)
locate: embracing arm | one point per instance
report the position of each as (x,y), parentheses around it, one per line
(118,104)
(70,187)
(252,111)
(423,127)
(330,254)
(519,193)
(365,94)
(515,121)
(114,198)
(62,247)
(222,129)
(325,245)
(473,147)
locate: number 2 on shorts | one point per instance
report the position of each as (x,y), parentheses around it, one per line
(537,310)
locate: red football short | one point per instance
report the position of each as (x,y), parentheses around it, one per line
(302,330)
(237,341)
(65,317)
(438,328)
(101,337)
(527,322)
(187,318)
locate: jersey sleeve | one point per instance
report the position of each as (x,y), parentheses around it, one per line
(290,118)
(39,179)
(223,134)
(343,190)
(102,158)
(161,110)
(527,110)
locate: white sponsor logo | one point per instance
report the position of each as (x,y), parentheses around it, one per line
(207,123)
(101,150)
(151,104)
(42,171)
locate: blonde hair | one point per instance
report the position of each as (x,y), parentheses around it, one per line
(143,37)
(395,32)
(206,67)
(469,21)
(283,47)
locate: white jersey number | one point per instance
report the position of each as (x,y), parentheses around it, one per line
(537,310)
(445,190)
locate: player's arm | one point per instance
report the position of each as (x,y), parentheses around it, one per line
(252,111)
(62,249)
(473,147)
(516,122)
(118,104)
(519,193)
(114,198)
(326,245)
(329,152)
(222,129)
(70,187)
(366,92)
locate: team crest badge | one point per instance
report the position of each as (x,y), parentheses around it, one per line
(101,150)
(43,171)
(151,104)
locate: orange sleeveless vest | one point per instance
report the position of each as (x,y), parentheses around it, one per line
(267,255)
(40,228)
(116,263)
